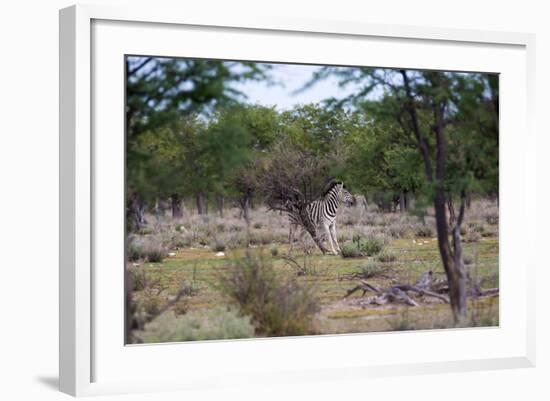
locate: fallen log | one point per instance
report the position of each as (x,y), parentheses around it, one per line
(424,286)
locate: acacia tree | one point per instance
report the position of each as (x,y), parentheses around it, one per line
(291,177)
(435,111)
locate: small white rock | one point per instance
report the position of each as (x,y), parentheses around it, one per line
(220,254)
(414,241)
(426,242)
(171,253)
(135,264)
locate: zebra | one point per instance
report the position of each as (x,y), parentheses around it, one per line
(322,212)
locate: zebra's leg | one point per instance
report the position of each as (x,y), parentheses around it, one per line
(301,240)
(327,230)
(291,236)
(333,234)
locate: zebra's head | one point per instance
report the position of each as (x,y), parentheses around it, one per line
(345,196)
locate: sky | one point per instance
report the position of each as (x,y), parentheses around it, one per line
(291,78)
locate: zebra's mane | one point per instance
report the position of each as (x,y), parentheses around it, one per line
(331,185)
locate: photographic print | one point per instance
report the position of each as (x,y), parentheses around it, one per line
(272,199)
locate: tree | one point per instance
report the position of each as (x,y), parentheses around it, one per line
(290,178)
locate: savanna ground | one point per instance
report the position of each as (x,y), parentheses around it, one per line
(195,257)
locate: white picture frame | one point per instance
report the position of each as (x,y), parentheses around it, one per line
(83,349)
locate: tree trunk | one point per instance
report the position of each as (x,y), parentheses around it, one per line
(245,204)
(452,261)
(175,200)
(245,208)
(136,213)
(402,202)
(221,205)
(202,205)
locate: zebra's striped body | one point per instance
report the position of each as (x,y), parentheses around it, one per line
(322,213)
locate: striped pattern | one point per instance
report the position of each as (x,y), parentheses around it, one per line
(323,213)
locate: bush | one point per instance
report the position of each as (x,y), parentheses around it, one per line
(397,230)
(181,242)
(350,251)
(215,324)
(473,236)
(370,246)
(372,269)
(261,237)
(467,259)
(236,228)
(257,225)
(147,249)
(277,306)
(425,231)
(138,279)
(218,246)
(150,302)
(492,218)
(479,228)
(274,251)
(387,256)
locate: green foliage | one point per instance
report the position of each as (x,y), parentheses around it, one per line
(368,246)
(387,256)
(278,306)
(425,231)
(361,247)
(350,251)
(214,324)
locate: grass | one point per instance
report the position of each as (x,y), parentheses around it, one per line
(404,257)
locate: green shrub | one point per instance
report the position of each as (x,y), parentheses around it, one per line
(218,246)
(274,251)
(150,301)
(371,246)
(492,218)
(397,230)
(425,231)
(372,269)
(467,259)
(262,237)
(134,252)
(148,249)
(181,241)
(360,247)
(257,225)
(138,279)
(215,324)
(349,250)
(387,256)
(479,228)
(278,306)
(473,236)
